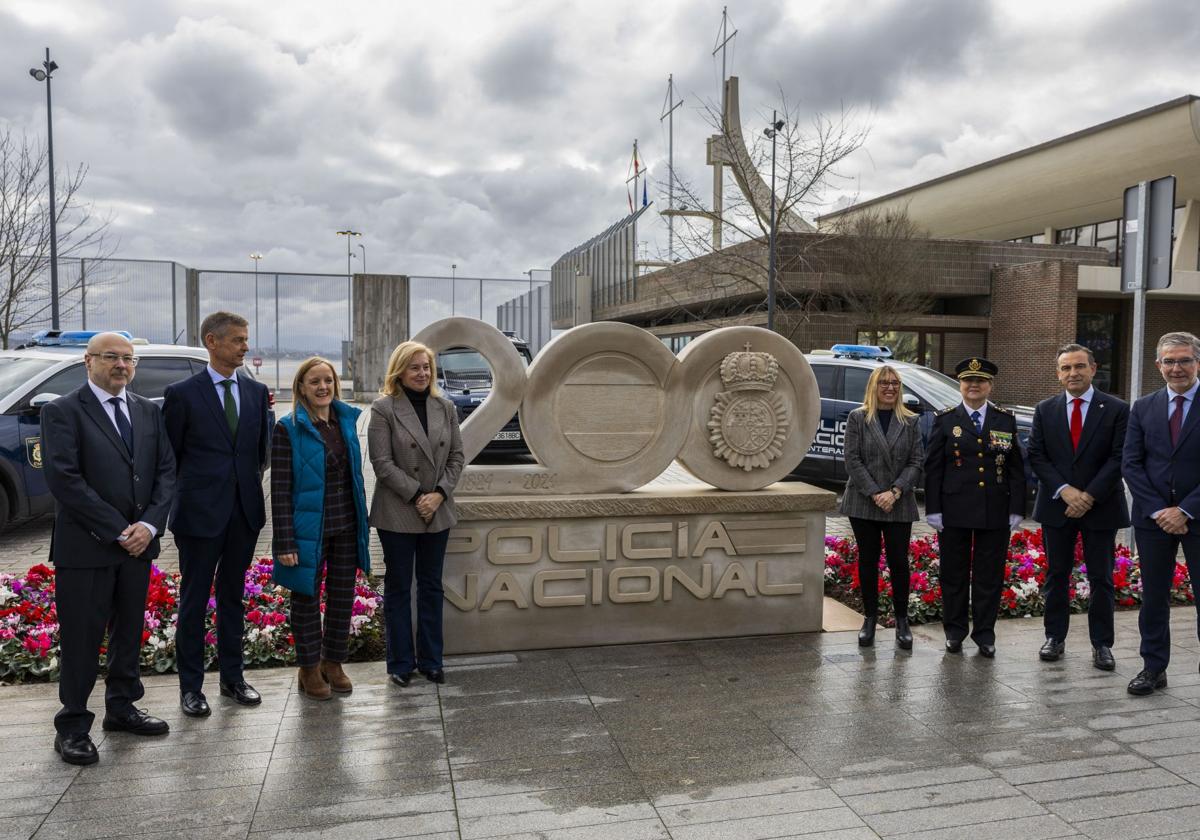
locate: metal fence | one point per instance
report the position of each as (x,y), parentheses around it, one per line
(434,298)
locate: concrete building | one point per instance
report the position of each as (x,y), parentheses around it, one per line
(1024,256)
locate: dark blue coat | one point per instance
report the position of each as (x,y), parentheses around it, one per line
(1160,475)
(214,468)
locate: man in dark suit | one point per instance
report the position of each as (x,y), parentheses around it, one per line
(1162,468)
(217,422)
(1075,450)
(110,468)
(974,496)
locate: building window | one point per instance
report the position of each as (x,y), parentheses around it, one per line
(1100,333)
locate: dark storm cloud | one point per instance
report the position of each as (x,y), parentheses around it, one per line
(524,68)
(864,57)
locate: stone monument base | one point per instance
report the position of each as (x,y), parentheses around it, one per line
(662,564)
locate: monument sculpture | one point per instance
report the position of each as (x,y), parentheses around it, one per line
(576,550)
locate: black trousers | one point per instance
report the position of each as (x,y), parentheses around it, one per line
(90,601)
(404,554)
(872,536)
(339,568)
(1156,556)
(972,575)
(204,561)
(1099,546)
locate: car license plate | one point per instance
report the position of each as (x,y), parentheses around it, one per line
(507,436)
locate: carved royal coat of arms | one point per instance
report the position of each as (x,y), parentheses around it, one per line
(749,420)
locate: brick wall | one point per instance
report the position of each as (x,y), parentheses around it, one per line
(1162,316)
(1033,314)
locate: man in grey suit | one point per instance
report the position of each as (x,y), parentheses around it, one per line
(111,470)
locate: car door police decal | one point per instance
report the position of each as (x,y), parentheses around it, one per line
(33,452)
(830,439)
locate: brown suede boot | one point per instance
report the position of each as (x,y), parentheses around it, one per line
(338,681)
(312,684)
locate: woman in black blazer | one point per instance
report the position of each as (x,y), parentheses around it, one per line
(883,461)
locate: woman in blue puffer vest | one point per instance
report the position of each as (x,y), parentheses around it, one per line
(319,518)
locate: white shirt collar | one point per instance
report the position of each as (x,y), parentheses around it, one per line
(218,378)
(1086,396)
(103,396)
(982,409)
(1189,394)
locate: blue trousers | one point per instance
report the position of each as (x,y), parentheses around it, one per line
(425,555)
(1156,556)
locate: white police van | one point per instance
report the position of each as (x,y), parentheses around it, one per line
(842,376)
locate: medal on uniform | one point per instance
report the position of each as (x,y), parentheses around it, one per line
(1000,441)
(957,431)
(1000,460)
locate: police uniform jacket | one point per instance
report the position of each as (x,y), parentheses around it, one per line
(974,480)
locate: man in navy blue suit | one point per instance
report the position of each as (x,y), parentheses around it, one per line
(1075,449)
(1162,468)
(218,427)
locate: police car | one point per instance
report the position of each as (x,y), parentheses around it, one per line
(842,376)
(50,366)
(466,379)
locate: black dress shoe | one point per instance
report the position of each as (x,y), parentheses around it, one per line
(954,646)
(1147,681)
(401,680)
(242,692)
(903,633)
(866,636)
(76,748)
(1102,658)
(1052,650)
(437,675)
(194,704)
(135,721)
(987,651)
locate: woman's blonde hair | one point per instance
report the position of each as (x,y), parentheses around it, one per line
(399,360)
(302,371)
(871,397)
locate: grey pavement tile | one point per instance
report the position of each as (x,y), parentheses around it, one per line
(428,760)
(124,747)
(952,793)
(27,806)
(684,760)
(504,768)
(181,823)
(1045,827)
(352,811)
(1026,747)
(949,816)
(766,805)
(182,769)
(1143,717)
(530,781)
(901,759)
(1164,822)
(419,742)
(183,799)
(1104,784)
(547,820)
(321,794)
(1156,731)
(83,789)
(646,829)
(14,788)
(769,786)
(1186,766)
(1167,746)
(441,824)
(885,782)
(553,799)
(20,828)
(1071,768)
(822,824)
(536,744)
(715,778)
(283,777)
(1120,804)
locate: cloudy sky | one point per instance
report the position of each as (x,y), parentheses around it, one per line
(496,135)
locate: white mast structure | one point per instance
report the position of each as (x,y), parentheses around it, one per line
(724,36)
(668,114)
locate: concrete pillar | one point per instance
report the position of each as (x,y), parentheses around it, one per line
(1187,238)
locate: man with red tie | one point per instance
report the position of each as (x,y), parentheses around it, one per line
(1162,468)
(1075,450)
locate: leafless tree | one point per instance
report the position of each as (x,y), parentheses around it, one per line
(885,256)
(734,279)
(25,235)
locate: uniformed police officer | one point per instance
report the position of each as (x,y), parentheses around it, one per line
(974,496)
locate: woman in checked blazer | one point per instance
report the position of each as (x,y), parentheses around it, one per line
(883,460)
(416,450)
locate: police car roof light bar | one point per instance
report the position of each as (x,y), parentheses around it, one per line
(70,338)
(861,351)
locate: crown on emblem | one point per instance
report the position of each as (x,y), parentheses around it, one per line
(749,371)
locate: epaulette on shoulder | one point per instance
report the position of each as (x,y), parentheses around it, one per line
(1000,408)
(945,411)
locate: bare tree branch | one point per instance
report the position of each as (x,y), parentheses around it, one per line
(25,235)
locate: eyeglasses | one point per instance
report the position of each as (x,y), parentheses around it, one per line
(891,384)
(1168,363)
(113,358)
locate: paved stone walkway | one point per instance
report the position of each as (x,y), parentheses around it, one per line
(781,736)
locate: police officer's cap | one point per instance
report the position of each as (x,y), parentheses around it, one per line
(976,367)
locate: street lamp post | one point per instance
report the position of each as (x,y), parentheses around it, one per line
(349,292)
(772,131)
(363,248)
(257,335)
(44,75)
(453,283)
